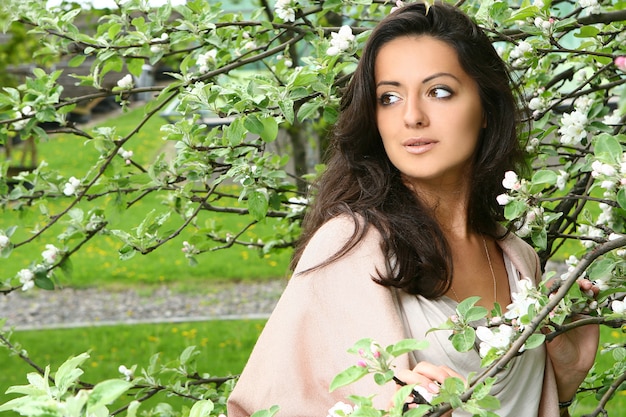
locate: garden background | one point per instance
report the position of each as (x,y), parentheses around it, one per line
(135,201)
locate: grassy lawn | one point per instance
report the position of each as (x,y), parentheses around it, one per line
(226,346)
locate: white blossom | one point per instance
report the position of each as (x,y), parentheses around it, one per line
(70,186)
(128,373)
(398,5)
(511,181)
(539,4)
(601,284)
(572,128)
(591,233)
(127,155)
(521,49)
(26,277)
(340,41)
(591,5)
(561,179)
(297,204)
(521,300)
(4,241)
(27,111)
(499,338)
(618,306)
(608,185)
(340,409)
(612,119)
(50,254)
(285,9)
(126,82)
(583,103)
(536,103)
(532,145)
(504,199)
(599,168)
(205,59)
(543,24)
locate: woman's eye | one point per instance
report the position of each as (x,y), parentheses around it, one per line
(388,98)
(440,92)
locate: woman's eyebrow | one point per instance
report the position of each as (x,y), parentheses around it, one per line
(440,74)
(424,81)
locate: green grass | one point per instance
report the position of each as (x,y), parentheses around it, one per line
(226,346)
(98,263)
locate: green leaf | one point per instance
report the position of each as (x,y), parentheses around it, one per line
(135,66)
(266,413)
(77,60)
(540,238)
(621,198)
(514,209)
(106,392)
(535,340)
(608,149)
(270,129)
(475,313)
(43,282)
(587,32)
(286,106)
(258,203)
(464,340)
(407,345)
(465,305)
(350,375)
(382,379)
(307,110)
(202,408)
(68,372)
(253,124)
(541,179)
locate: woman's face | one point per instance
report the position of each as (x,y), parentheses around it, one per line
(428,111)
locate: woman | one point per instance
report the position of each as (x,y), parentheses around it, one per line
(407,207)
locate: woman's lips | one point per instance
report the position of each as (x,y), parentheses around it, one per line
(419,145)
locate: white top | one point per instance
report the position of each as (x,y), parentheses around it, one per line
(518,386)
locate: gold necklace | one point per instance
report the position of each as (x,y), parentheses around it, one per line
(493,276)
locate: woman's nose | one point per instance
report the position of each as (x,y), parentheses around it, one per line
(414,113)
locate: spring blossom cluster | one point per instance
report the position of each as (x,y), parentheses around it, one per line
(340,409)
(26,277)
(286,10)
(126,82)
(340,41)
(4,241)
(204,60)
(71,186)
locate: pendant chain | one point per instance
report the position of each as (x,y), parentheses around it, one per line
(493,276)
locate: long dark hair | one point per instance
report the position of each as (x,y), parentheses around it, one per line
(361,182)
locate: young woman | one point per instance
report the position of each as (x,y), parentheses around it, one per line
(405,224)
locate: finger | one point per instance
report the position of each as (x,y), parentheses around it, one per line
(434,372)
(588,287)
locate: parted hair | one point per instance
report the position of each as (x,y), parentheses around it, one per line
(361,182)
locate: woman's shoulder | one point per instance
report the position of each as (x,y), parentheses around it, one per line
(334,235)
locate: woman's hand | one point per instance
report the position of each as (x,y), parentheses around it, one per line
(428,378)
(573,352)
